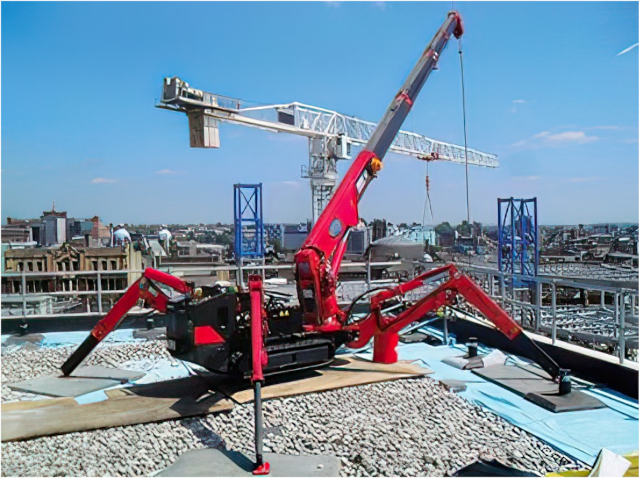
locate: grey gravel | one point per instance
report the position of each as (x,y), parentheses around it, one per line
(405,428)
(31,361)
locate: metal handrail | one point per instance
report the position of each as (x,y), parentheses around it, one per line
(620,295)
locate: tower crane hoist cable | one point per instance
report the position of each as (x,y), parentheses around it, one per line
(464,128)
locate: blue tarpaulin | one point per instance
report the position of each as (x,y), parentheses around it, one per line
(580,434)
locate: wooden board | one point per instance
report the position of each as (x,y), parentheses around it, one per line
(184,398)
(347,371)
(140,404)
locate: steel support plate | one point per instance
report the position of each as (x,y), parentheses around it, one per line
(63,386)
(83,380)
(97,371)
(536,386)
(215,462)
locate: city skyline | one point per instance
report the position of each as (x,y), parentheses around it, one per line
(87,134)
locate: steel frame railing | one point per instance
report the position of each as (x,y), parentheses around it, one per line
(625,299)
(622,297)
(99,292)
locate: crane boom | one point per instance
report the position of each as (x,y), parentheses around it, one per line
(318,261)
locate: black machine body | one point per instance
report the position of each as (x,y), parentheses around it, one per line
(213,332)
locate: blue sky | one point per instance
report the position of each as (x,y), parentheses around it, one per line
(547,90)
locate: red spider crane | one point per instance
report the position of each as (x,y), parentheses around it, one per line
(239,333)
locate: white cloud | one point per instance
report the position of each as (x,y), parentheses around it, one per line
(514,108)
(168,171)
(103,181)
(545,138)
(571,137)
(381,5)
(628,49)
(541,135)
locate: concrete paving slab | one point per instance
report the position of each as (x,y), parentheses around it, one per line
(98,371)
(463,362)
(414,338)
(63,386)
(519,379)
(215,462)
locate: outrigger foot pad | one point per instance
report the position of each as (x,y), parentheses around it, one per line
(564,382)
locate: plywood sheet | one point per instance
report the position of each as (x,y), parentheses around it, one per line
(30,404)
(186,397)
(348,371)
(141,404)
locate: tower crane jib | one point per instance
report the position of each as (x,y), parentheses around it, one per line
(331,134)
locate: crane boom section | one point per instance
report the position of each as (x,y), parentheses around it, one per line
(318,261)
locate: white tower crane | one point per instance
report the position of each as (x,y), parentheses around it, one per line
(330,134)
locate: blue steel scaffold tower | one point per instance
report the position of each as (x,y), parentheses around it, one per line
(249,227)
(518,251)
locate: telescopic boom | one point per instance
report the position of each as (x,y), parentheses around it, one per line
(318,261)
